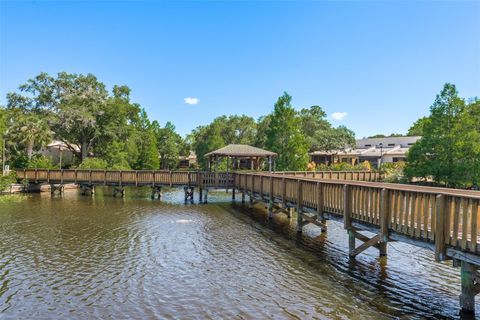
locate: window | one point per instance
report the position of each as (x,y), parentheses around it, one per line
(368,145)
(391,144)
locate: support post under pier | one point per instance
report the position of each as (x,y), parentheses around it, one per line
(470,286)
(119,191)
(87,189)
(156,192)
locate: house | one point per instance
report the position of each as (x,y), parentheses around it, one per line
(374,150)
(59,153)
(185,162)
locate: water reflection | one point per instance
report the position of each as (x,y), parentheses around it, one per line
(84,257)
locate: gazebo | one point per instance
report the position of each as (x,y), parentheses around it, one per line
(242,156)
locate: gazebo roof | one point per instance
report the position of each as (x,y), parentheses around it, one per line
(241,150)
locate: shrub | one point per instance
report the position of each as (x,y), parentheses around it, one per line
(93,163)
(394,172)
(40,162)
(7,180)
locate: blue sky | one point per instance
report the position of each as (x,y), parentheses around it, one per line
(380,63)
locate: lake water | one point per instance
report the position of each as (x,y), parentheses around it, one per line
(80,257)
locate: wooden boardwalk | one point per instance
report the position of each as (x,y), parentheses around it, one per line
(443,220)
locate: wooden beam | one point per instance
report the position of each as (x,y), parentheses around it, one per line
(364,246)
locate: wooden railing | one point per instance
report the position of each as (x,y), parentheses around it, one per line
(334,175)
(128,178)
(443,217)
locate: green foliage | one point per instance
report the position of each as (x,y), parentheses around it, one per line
(19,160)
(93,163)
(7,180)
(285,136)
(116,156)
(170,145)
(3,129)
(393,172)
(449,150)
(385,136)
(145,145)
(334,139)
(39,161)
(221,132)
(28,131)
(342,166)
(417,128)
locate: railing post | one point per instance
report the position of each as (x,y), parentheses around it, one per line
(299,205)
(440,230)
(284,192)
(170,178)
(261,187)
(384,220)
(270,200)
(90,177)
(104,177)
(320,214)
(347,207)
(347,216)
(234,176)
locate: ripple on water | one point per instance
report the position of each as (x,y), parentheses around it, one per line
(82,257)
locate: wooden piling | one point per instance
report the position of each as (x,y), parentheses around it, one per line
(470,288)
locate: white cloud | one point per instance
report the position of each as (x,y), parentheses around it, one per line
(338,115)
(191,100)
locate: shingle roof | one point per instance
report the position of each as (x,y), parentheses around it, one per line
(241,150)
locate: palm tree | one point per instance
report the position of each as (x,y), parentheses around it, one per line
(29,131)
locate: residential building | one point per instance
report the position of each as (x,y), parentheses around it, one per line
(374,150)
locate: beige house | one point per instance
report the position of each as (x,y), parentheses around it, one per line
(185,162)
(59,153)
(374,150)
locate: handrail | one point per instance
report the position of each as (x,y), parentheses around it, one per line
(446,217)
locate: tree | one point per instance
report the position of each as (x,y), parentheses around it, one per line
(3,129)
(262,127)
(449,150)
(28,131)
(417,128)
(313,125)
(222,131)
(334,139)
(145,143)
(169,145)
(205,139)
(385,136)
(285,137)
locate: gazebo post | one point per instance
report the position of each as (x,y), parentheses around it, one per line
(228,175)
(270,164)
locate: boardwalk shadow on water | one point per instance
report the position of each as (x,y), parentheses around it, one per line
(103,257)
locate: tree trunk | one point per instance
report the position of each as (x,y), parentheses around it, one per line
(30,149)
(84,150)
